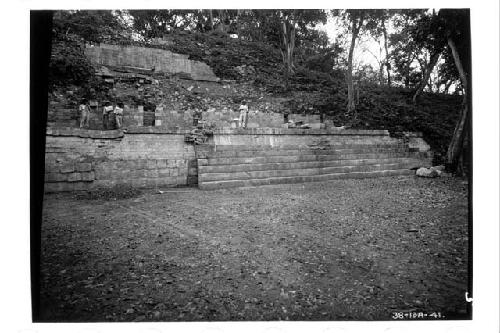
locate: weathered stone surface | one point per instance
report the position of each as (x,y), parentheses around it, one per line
(74,177)
(159,157)
(428,173)
(67,168)
(162,61)
(88,176)
(83,167)
(56,177)
(130,160)
(438,168)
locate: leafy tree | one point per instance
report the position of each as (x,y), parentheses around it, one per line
(377,28)
(356,20)
(428,34)
(404,49)
(293,23)
(157,23)
(280,28)
(448,72)
(91,25)
(68,63)
(71,30)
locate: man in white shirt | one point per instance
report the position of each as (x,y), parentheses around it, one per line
(84,113)
(243,115)
(108,108)
(119,114)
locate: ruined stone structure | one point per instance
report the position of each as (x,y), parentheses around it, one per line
(162,61)
(149,157)
(151,151)
(85,160)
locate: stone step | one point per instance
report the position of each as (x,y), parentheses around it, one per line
(264,174)
(304,151)
(337,145)
(300,158)
(300,179)
(304,165)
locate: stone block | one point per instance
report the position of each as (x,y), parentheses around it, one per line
(56,177)
(171,163)
(164,173)
(56,187)
(316,125)
(142,164)
(181,180)
(88,176)
(74,177)
(67,168)
(161,164)
(83,167)
(151,164)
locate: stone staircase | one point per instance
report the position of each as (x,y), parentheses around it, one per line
(224,166)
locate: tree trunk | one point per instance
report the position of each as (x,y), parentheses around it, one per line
(222,20)
(387,59)
(288,34)
(427,74)
(238,23)
(350,85)
(381,73)
(211,15)
(456,145)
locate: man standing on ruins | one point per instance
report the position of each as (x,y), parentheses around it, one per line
(243,115)
(119,114)
(105,114)
(84,113)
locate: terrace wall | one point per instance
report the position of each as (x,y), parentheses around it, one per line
(80,159)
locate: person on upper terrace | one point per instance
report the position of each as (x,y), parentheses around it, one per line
(243,115)
(119,114)
(84,110)
(106,110)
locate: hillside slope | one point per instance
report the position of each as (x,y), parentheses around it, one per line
(316,92)
(253,71)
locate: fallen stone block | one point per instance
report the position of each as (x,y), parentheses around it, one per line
(427,173)
(438,168)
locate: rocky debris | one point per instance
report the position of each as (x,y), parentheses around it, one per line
(117,192)
(432,172)
(200,134)
(297,124)
(245,70)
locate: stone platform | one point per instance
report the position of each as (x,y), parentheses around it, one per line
(255,157)
(81,159)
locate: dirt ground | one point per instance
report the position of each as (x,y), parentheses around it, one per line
(359,249)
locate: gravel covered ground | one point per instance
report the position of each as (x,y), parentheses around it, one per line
(359,249)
